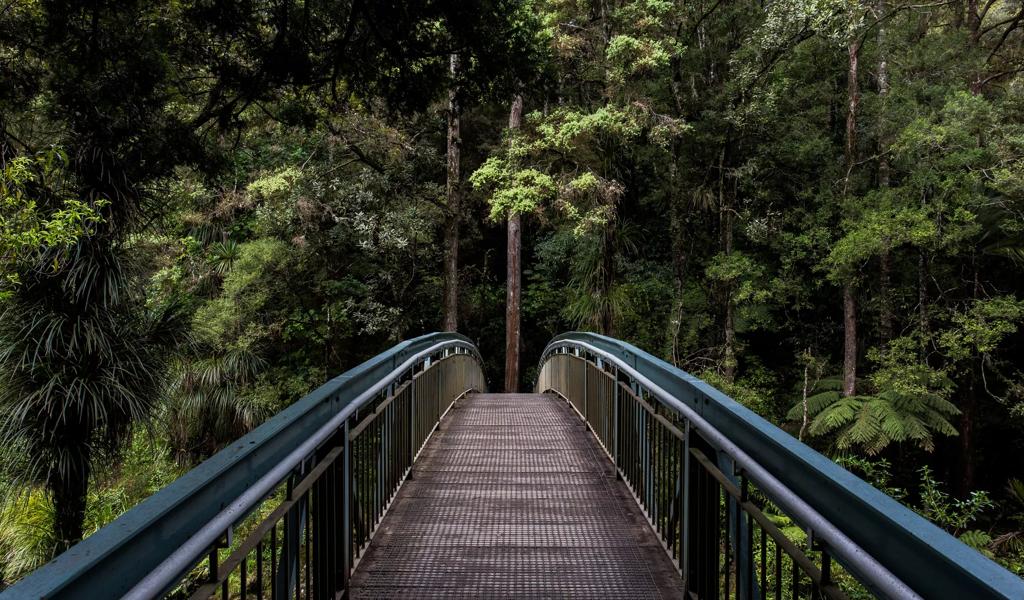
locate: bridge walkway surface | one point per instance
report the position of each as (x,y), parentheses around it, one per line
(513,497)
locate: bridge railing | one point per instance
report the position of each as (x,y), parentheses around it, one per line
(717,483)
(287,510)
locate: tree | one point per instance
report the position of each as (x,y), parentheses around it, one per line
(451,232)
(84,353)
(513,281)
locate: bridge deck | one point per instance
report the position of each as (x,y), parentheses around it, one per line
(512,497)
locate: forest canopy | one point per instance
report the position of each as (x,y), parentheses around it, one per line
(208,208)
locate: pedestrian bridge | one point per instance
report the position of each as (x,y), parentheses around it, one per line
(620,477)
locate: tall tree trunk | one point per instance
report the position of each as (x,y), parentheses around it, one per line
(451,231)
(69,492)
(679,254)
(973,20)
(849,341)
(606,320)
(885,315)
(849,302)
(922,299)
(852,104)
(806,392)
(514,275)
(885,325)
(967,415)
(725,221)
(969,409)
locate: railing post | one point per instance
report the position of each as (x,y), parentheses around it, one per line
(586,393)
(412,420)
(615,435)
(288,566)
(439,381)
(684,512)
(648,481)
(346,507)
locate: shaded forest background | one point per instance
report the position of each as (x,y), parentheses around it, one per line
(211,207)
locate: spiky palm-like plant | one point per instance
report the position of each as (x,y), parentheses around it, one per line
(81,362)
(211,402)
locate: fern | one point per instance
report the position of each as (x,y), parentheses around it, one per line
(871,422)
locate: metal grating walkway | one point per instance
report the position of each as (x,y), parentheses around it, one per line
(512,497)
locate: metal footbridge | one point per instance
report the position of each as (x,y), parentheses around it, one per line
(620,477)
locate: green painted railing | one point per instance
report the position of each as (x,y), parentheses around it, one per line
(706,470)
(286,510)
(287,507)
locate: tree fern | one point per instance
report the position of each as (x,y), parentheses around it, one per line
(871,422)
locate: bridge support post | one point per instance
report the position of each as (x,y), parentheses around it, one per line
(615,434)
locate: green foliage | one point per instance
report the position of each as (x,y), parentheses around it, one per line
(877,472)
(515,191)
(751,391)
(29,225)
(26,533)
(947,512)
(913,411)
(874,231)
(201,224)
(213,400)
(980,328)
(247,289)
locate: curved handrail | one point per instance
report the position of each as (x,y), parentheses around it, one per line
(147,549)
(912,552)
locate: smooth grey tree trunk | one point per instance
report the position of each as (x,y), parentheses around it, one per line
(451,230)
(513,276)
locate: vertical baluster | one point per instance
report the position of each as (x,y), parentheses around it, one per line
(728,539)
(309,518)
(213,560)
(684,518)
(655,449)
(273,562)
(346,506)
(778,572)
(259,570)
(668,483)
(615,416)
(796,579)
(750,556)
(826,569)
(764,564)
(667,487)
(243,577)
(412,422)
(224,586)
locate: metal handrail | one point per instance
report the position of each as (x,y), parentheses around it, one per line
(889,548)
(147,550)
